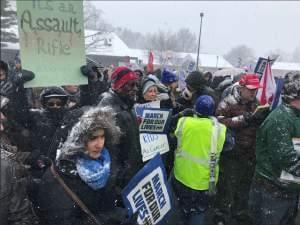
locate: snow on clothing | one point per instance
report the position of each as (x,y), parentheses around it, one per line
(47,128)
(127,152)
(231,111)
(237,166)
(94,173)
(15,208)
(54,205)
(275,152)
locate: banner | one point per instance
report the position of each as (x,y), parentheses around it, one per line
(52,41)
(148,193)
(266,94)
(277,98)
(155,120)
(151,144)
(150,66)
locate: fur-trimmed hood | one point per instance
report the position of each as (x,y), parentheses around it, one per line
(92,119)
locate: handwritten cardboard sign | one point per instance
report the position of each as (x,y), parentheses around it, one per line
(151,144)
(52,41)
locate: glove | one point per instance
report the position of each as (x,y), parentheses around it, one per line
(43,162)
(90,71)
(187,112)
(23,76)
(248,117)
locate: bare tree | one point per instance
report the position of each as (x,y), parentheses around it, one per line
(8,21)
(131,38)
(240,56)
(93,18)
(186,41)
(280,55)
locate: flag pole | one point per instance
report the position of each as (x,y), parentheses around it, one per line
(197,64)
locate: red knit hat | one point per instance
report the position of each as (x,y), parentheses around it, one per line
(250,81)
(120,76)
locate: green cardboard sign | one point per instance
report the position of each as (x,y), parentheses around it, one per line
(52,41)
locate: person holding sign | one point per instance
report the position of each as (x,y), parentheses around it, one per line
(79,188)
(276,182)
(200,142)
(121,97)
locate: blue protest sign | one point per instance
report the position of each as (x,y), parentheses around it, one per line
(260,65)
(148,193)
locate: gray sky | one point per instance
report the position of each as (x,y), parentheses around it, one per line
(263,26)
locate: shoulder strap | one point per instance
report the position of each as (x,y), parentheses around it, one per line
(74,197)
(213,155)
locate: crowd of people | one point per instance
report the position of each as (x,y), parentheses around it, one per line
(68,152)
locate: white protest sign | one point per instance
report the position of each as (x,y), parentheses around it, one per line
(151,144)
(154,120)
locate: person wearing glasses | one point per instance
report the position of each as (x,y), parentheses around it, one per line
(47,126)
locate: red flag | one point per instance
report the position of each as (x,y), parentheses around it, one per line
(266,93)
(150,62)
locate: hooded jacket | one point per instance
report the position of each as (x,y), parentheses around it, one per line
(54,206)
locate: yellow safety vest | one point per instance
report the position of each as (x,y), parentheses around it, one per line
(200,142)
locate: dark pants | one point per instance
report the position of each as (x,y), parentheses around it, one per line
(233,189)
(269,206)
(193,203)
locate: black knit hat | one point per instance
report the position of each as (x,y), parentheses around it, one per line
(196,80)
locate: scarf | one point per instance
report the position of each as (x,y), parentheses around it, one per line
(94,172)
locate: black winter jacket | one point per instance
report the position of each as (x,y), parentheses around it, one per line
(127,153)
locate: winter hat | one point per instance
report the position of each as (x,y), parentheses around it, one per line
(53,92)
(196,80)
(291,86)
(147,84)
(120,76)
(250,81)
(205,105)
(168,77)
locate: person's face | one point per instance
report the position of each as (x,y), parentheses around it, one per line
(2,74)
(95,144)
(54,103)
(151,94)
(129,90)
(248,95)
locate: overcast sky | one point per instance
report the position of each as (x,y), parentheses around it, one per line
(263,26)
